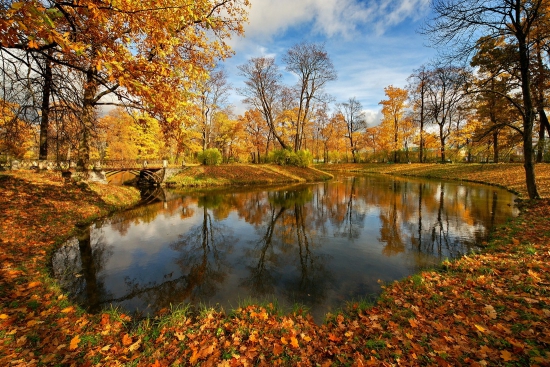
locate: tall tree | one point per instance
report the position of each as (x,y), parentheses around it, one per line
(393,110)
(418,89)
(257,131)
(354,117)
(445,92)
(213,97)
(455,21)
(262,89)
(495,89)
(312,65)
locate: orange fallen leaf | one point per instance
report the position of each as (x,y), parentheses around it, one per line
(294,342)
(277,349)
(68,309)
(105,319)
(33,284)
(194,357)
(3,316)
(506,356)
(333,337)
(126,340)
(74,343)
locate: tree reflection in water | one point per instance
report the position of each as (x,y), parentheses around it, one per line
(285,237)
(78,265)
(318,244)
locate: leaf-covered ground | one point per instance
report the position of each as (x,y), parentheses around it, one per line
(246,174)
(510,176)
(491,308)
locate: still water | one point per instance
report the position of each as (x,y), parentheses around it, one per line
(319,245)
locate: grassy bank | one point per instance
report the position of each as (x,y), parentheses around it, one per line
(245,174)
(491,308)
(508,176)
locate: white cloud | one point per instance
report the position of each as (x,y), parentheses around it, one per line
(269,18)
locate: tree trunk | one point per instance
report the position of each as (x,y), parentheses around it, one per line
(528,118)
(442,142)
(541,144)
(87,121)
(495,146)
(45,110)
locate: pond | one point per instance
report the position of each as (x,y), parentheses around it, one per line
(318,245)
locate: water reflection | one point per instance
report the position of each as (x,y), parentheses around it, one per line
(317,245)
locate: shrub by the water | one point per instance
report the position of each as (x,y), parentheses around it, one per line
(210,157)
(282,157)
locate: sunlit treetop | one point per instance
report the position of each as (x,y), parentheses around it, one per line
(153,49)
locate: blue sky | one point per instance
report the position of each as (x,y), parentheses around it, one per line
(372,43)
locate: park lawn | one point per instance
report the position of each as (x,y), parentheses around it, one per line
(245,174)
(510,176)
(490,308)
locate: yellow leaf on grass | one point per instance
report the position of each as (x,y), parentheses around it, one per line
(68,309)
(480,328)
(3,316)
(283,340)
(135,346)
(306,338)
(294,342)
(74,343)
(180,335)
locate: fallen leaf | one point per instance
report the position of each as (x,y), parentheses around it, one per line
(74,343)
(294,342)
(333,337)
(126,340)
(506,356)
(180,335)
(480,328)
(105,319)
(135,346)
(68,309)
(194,357)
(277,349)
